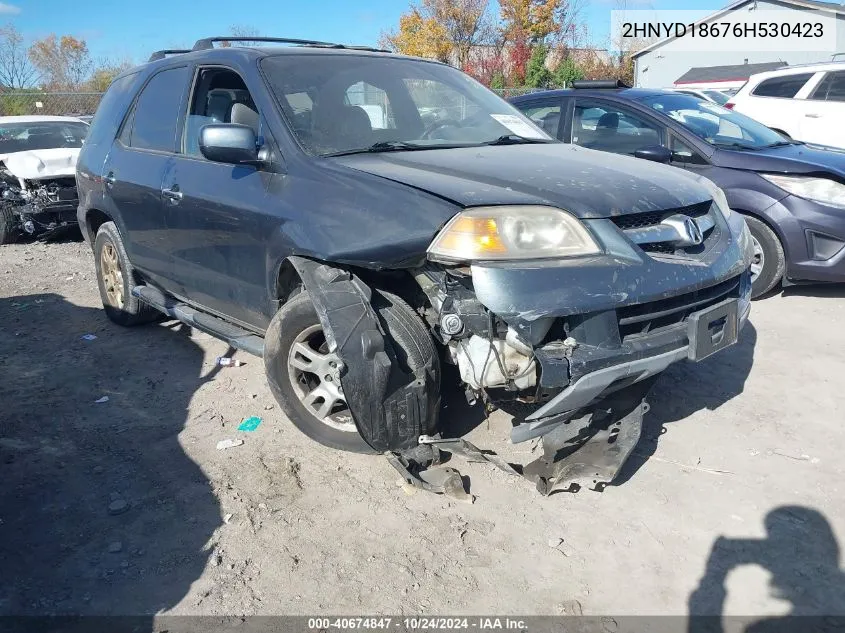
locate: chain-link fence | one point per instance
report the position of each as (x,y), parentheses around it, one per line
(59,103)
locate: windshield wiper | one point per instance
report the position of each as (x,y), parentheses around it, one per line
(516,139)
(737,146)
(383,146)
(781,144)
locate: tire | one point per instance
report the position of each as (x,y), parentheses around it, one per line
(770,251)
(8,225)
(127,310)
(412,343)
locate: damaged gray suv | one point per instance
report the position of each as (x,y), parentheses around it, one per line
(359,218)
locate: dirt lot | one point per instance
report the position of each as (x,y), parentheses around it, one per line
(126,506)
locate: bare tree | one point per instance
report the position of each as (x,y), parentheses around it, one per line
(16,71)
(243,30)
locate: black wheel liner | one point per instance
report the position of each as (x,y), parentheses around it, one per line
(391,408)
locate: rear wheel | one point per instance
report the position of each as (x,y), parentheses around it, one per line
(769,262)
(116,277)
(304,377)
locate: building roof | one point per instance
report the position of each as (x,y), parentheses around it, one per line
(817,5)
(738,72)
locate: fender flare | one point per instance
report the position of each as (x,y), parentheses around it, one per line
(390,407)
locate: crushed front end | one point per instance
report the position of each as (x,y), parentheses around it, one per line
(582,336)
(39,207)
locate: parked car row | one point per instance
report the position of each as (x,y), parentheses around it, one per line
(792,195)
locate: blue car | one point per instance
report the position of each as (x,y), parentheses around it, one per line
(791,194)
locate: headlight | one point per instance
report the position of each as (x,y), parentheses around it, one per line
(718,195)
(512,232)
(818,189)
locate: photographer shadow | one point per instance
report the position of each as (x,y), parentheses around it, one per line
(802,555)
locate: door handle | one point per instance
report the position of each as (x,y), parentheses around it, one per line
(813,116)
(110,179)
(173,194)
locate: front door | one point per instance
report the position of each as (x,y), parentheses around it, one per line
(221,216)
(823,119)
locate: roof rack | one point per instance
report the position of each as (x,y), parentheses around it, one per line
(598,84)
(207,43)
(167,51)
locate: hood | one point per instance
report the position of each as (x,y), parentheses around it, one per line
(42,163)
(788,159)
(587,183)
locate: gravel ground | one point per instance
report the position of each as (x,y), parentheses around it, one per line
(731,504)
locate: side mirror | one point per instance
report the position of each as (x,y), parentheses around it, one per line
(656,153)
(229,143)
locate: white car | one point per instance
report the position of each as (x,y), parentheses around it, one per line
(38,174)
(713,96)
(806,103)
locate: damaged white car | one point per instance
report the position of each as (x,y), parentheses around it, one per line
(37,174)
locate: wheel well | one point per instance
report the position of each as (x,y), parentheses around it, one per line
(771,227)
(399,282)
(94,219)
(288,282)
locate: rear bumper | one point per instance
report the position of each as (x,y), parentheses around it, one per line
(814,239)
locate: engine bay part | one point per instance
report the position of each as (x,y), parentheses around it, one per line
(37,207)
(488,364)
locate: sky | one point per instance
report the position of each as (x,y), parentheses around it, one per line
(119,29)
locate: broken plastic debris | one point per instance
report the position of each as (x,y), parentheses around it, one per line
(89,337)
(101,400)
(227,518)
(225,361)
(222,445)
(249,424)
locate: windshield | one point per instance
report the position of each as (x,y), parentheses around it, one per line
(719,97)
(22,137)
(347,103)
(713,123)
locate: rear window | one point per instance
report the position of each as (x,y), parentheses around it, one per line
(110,112)
(784,87)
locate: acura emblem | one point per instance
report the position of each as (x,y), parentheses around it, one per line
(686,228)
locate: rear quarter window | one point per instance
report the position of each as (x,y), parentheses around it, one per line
(785,87)
(110,112)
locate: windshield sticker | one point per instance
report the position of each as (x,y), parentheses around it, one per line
(517,125)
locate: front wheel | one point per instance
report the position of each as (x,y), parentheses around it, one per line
(769,262)
(9,225)
(303,374)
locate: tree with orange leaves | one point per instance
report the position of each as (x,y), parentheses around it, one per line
(64,63)
(446,30)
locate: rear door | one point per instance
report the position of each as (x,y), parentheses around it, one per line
(773,102)
(135,168)
(222,216)
(824,117)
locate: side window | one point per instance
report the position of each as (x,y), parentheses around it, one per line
(612,129)
(683,153)
(157,111)
(544,115)
(374,102)
(219,96)
(831,88)
(111,110)
(784,87)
